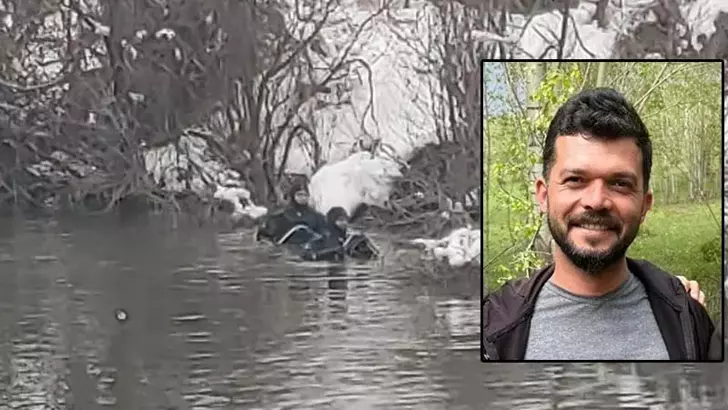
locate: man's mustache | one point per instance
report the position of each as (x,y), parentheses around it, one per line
(592,218)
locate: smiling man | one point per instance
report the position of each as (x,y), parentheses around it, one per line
(594,303)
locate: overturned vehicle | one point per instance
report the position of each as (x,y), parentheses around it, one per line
(311,245)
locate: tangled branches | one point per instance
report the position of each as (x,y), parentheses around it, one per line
(422,200)
(92,87)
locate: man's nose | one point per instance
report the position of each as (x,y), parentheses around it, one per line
(596,196)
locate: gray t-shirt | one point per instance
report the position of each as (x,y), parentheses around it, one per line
(617,326)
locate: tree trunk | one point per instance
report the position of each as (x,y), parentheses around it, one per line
(536,73)
(601,73)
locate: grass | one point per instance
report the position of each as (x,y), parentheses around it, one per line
(683,239)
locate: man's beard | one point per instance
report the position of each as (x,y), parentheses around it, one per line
(592,261)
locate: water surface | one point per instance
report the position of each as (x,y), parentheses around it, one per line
(97,313)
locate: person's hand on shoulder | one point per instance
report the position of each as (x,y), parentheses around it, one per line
(693,289)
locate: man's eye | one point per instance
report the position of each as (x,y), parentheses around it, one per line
(573,179)
(622,184)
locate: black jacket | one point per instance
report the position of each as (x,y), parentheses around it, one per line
(277,224)
(305,215)
(684,323)
(717,347)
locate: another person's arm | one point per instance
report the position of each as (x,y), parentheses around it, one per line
(693,289)
(708,336)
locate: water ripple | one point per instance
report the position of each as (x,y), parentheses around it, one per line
(213,321)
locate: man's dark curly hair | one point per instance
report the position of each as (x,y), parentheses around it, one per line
(598,113)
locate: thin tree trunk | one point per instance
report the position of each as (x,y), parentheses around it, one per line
(536,73)
(601,73)
(486,183)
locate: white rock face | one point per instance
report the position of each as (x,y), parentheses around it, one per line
(360,178)
(397,109)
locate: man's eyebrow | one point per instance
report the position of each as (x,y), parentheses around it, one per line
(578,171)
(574,171)
(626,175)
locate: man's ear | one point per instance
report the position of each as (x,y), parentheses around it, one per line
(647,205)
(542,194)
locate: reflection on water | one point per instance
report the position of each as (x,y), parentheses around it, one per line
(608,386)
(101,315)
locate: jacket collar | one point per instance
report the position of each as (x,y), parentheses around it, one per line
(656,281)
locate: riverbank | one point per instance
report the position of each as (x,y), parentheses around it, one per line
(423,198)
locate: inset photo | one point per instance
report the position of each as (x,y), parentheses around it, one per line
(602,207)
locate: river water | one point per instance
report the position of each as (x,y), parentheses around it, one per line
(102,313)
